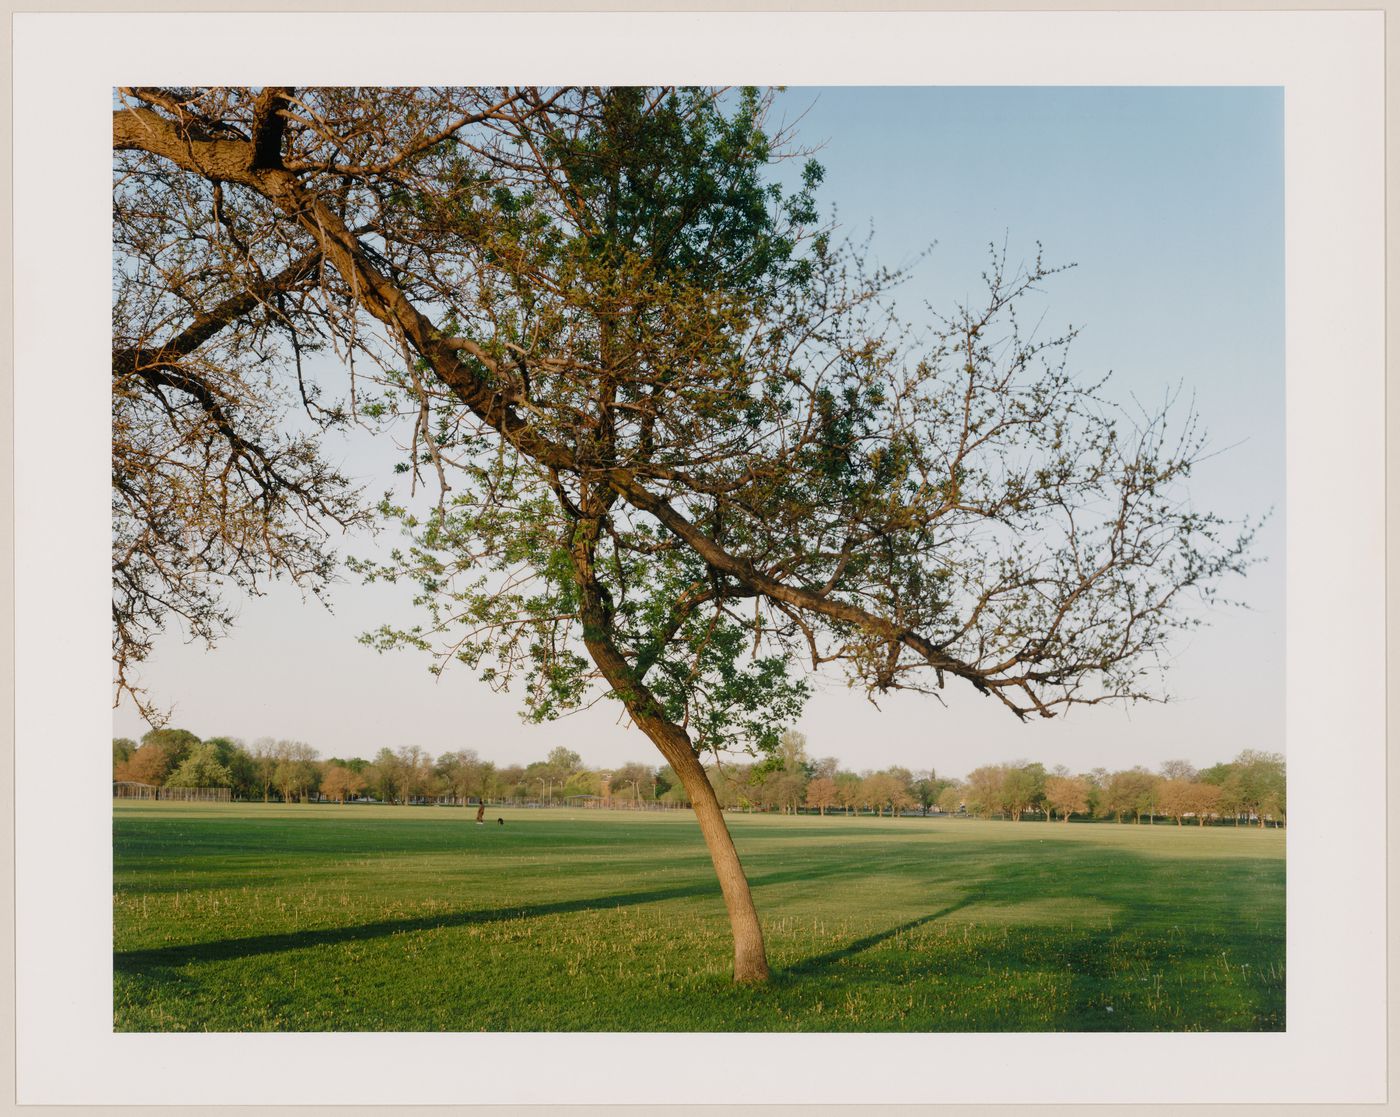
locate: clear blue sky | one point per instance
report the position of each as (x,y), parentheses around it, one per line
(1170,204)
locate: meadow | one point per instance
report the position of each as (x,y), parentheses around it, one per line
(254,917)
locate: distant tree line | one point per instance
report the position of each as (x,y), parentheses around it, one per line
(1251,789)
(292,771)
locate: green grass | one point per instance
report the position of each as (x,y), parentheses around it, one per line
(311,918)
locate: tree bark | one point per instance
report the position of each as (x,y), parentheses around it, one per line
(750,957)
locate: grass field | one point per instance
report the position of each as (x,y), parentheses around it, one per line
(319,917)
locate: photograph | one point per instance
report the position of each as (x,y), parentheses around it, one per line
(620,558)
(624,554)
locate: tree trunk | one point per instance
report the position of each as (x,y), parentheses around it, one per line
(750,958)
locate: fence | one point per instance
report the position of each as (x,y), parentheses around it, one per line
(623,804)
(126,789)
(197,794)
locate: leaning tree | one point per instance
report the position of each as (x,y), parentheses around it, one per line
(675,444)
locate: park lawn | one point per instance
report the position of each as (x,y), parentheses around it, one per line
(254,917)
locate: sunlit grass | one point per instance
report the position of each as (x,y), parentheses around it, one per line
(254,917)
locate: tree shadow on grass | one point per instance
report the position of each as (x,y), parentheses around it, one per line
(141,961)
(809,967)
(1136,927)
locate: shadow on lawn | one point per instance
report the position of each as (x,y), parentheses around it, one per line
(1121,881)
(136,962)
(817,963)
(1134,895)
(1140,927)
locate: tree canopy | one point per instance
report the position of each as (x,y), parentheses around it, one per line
(677,445)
